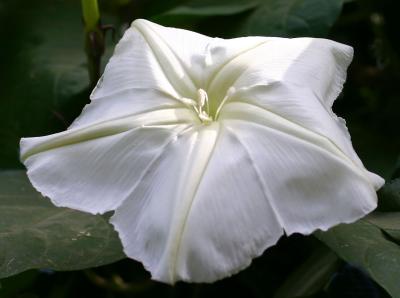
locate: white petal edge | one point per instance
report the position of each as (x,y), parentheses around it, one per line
(259,115)
(249,190)
(318,64)
(296,78)
(202,215)
(93,169)
(309,188)
(200,56)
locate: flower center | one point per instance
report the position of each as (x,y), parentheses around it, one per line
(200,106)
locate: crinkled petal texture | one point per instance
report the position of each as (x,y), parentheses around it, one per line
(197,201)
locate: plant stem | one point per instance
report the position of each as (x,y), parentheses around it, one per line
(91,14)
(94,38)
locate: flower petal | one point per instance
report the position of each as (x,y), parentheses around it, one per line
(312,185)
(257,114)
(199,56)
(153,67)
(139,62)
(124,104)
(317,64)
(297,79)
(202,215)
(95,168)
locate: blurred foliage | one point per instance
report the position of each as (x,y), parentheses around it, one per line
(37,234)
(43,72)
(45,83)
(365,244)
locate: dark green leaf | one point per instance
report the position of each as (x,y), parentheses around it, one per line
(287,18)
(387,221)
(36,234)
(310,277)
(43,68)
(292,18)
(213,8)
(389,196)
(363,244)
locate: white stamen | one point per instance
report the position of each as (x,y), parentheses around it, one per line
(229,93)
(201,105)
(202,97)
(202,102)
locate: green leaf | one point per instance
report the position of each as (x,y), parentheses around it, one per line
(213,8)
(286,18)
(387,221)
(363,244)
(36,234)
(311,276)
(292,18)
(43,67)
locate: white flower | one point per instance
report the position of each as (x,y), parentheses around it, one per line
(209,150)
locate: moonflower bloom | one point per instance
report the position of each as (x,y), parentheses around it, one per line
(209,150)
